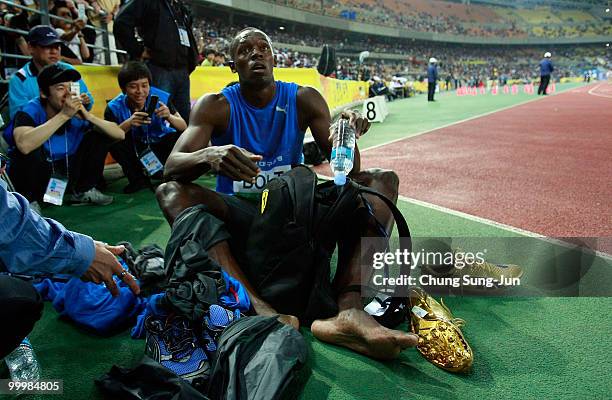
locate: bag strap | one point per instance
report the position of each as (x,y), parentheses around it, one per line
(396,304)
(301,182)
(402,225)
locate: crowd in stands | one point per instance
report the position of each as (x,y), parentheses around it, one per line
(464,62)
(76,30)
(451,18)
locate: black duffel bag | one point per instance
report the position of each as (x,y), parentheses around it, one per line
(292,240)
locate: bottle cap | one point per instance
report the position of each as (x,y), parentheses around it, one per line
(339,178)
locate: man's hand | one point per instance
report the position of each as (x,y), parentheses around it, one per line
(71,106)
(357,121)
(163,111)
(83,113)
(105,266)
(140,118)
(79,24)
(85,99)
(234,162)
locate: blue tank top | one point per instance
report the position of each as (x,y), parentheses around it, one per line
(272,132)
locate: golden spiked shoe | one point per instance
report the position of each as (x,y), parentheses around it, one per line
(441,341)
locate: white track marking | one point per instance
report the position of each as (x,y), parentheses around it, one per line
(489,222)
(591,92)
(496,224)
(461,121)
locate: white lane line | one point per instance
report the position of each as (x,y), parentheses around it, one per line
(496,224)
(460,121)
(591,92)
(489,222)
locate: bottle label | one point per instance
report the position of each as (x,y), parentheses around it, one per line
(342,152)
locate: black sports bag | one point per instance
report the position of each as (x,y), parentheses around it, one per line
(292,240)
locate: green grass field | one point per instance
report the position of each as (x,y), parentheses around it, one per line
(524,347)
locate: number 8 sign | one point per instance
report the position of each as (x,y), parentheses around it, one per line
(375,109)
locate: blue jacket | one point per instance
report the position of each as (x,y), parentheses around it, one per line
(56,145)
(546,67)
(23,87)
(30,244)
(432,73)
(159,127)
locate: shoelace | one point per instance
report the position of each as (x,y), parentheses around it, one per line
(457,321)
(485,268)
(178,339)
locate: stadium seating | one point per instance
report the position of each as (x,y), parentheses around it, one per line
(458,18)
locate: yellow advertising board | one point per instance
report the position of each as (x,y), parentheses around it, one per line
(102,83)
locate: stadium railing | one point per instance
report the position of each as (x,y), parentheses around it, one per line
(46,17)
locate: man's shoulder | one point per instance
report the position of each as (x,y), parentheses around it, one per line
(32,106)
(213,99)
(306,92)
(22,75)
(65,65)
(213,108)
(115,101)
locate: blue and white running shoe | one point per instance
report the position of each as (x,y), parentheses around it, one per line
(172,343)
(215,321)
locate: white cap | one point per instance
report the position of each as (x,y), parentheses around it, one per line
(433,60)
(547,54)
(339,178)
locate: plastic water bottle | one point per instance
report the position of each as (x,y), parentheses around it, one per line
(22,363)
(343,151)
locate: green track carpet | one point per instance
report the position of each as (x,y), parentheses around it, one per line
(528,348)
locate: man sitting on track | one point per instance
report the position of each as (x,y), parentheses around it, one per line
(261,123)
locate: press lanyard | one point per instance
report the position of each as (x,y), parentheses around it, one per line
(148,158)
(173,15)
(52,160)
(148,141)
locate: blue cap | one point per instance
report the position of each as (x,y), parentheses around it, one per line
(43,35)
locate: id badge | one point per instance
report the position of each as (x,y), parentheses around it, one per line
(55,191)
(151,162)
(184,37)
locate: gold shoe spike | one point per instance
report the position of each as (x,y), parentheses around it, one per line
(441,341)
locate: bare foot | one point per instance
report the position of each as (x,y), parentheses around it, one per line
(359,331)
(264,309)
(289,320)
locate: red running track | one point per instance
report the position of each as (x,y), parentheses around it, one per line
(545,166)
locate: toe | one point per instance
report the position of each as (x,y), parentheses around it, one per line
(406,340)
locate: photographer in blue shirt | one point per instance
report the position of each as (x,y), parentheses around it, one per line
(56,145)
(32,245)
(45,47)
(546,68)
(149,139)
